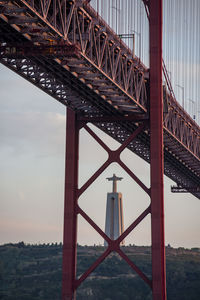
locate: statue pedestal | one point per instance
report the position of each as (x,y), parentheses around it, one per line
(114,226)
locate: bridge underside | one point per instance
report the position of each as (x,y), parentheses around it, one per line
(101,82)
(55,79)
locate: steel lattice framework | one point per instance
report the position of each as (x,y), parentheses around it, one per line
(103,79)
(75,57)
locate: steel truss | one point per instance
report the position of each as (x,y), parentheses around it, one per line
(103,84)
(72,208)
(103,80)
(156,208)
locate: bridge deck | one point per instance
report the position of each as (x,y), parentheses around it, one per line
(100,81)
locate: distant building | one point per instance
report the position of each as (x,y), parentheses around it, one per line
(114,225)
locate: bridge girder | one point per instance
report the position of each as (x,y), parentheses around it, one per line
(96,97)
(102,81)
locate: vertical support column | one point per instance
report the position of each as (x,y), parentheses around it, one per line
(70,214)
(157,163)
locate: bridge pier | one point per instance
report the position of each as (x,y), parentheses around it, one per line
(70,208)
(156,152)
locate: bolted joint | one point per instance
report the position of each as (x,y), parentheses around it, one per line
(114,156)
(113,246)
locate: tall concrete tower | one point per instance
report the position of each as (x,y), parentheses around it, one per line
(114,226)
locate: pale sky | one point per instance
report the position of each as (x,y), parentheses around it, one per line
(32,130)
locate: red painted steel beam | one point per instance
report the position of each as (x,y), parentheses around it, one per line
(93,224)
(70,208)
(113,156)
(134,267)
(156,150)
(113,245)
(133,117)
(93,267)
(133,225)
(134,177)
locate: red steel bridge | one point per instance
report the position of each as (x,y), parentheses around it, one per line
(67,50)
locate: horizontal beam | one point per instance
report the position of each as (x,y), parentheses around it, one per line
(113,119)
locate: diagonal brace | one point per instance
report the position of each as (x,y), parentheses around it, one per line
(113,156)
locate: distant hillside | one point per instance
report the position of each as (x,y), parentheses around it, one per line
(33,272)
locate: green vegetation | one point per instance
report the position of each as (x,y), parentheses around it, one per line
(33,272)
